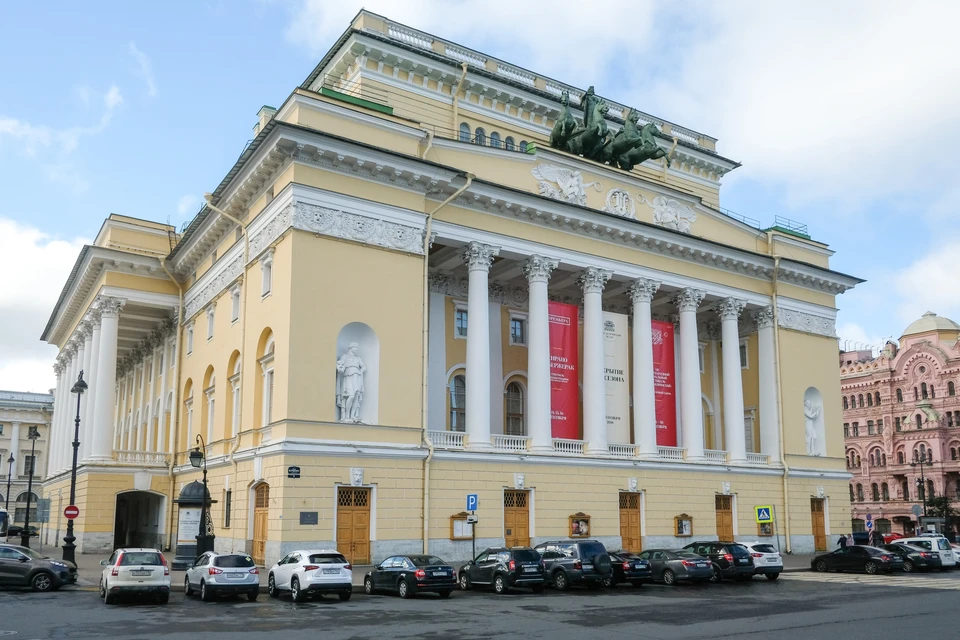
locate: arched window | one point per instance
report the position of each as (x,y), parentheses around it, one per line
(514,425)
(860,493)
(876,400)
(511,145)
(883,462)
(869,399)
(873,462)
(846,405)
(951,389)
(480,137)
(25,494)
(853,402)
(235,400)
(933,391)
(875,492)
(852,497)
(916,396)
(884,492)
(953,453)
(859,461)
(464,132)
(900,459)
(905,490)
(267,378)
(919,422)
(899,395)
(860,400)
(523,146)
(458,401)
(495,139)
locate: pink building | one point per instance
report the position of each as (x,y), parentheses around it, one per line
(899,409)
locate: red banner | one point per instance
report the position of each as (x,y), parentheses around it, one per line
(564,381)
(665,383)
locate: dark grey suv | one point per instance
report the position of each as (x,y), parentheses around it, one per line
(23,567)
(568,562)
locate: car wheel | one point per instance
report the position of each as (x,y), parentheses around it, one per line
(464,581)
(500,585)
(871,567)
(445,593)
(42,581)
(252,596)
(295,592)
(368,586)
(102,590)
(187,591)
(669,578)
(205,594)
(403,589)
(715,576)
(821,565)
(907,566)
(163,599)
(772,576)
(345,596)
(272,587)
(538,588)
(560,581)
(108,598)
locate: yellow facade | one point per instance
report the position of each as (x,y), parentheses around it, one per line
(335,198)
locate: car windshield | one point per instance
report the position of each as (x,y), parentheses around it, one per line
(233,562)
(737,550)
(764,548)
(590,549)
(131,558)
(426,561)
(526,555)
(327,558)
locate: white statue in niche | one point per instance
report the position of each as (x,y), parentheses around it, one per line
(811,412)
(350,370)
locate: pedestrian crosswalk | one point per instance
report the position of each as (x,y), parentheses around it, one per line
(950,581)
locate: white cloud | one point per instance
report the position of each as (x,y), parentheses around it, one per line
(42,264)
(854,337)
(188,205)
(112,99)
(929,284)
(145,69)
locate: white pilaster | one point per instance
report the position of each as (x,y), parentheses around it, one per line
(105,392)
(163,445)
(496,367)
(15,450)
(58,411)
(691,411)
(539,424)
(644,389)
(67,419)
(592,281)
(437,363)
(733,425)
(478,258)
(86,427)
(769,418)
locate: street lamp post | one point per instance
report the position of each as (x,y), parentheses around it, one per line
(198,458)
(25,536)
(10,462)
(69,549)
(922,480)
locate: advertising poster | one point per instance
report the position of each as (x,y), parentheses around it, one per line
(616,376)
(564,381)
(665,383)
(188,526)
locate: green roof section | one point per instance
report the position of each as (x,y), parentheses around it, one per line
(360,102)
(789,232)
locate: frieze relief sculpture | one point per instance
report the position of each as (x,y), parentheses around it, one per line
(569,184)
(670,213)
(350,370)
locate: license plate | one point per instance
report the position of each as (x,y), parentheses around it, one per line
(702,565)
(234,576)
(773,560)
(439,573)
(140,573)
(743,561)
(529,569)
(331,572)
(640,565)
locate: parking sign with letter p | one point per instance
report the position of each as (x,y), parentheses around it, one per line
(473,501)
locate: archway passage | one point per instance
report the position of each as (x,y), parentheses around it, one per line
(138,520)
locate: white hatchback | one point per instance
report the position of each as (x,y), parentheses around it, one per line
(937,544)
(766,559)
(135,572)
(306,573)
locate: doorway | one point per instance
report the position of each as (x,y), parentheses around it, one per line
(724,505)
(138,520)
(630,533)
(353,524)
(516,518)
(819,526)
(261,520)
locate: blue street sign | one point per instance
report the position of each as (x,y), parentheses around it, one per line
(473,501)
(869,525)
(869,517)
(764,514)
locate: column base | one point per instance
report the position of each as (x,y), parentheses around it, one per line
(591,450)
(541,448)
(695,458)
(732,460)
(648,455)
(479,446)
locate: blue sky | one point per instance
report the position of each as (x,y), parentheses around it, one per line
(847,124)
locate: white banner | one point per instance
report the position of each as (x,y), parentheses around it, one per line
(616,375)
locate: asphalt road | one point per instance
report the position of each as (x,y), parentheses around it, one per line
(806,606)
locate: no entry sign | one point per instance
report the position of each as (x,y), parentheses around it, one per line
(71,512)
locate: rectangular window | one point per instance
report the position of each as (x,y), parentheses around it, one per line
(29,465)
(743,356)
(210,323)
(896,423)
(846,429)
(460,323)
(518,331)
(949,418)
(1,429)
(702,357)
(266,273)
(856,428)
(870,427)
(227,508)
(190,339)
(235,304)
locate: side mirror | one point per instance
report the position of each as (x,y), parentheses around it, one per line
(377,567)
(24,559)
(103,563)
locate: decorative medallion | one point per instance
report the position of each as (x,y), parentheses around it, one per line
(620,203)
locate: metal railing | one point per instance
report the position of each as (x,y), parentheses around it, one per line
(447,439)
(671,453)
(568,447)
(622,450)
(510,443)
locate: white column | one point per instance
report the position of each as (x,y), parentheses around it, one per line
(733,426)
(66,420)
(86,427)
(478,258)
(538,270)
(691,412)
(592,281)
(84,405)
(105,392)
(58,411)
(769,418)
(15,450)
(150,444)
(644,390)
(162,414)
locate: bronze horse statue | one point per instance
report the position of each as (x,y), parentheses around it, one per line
(566,125)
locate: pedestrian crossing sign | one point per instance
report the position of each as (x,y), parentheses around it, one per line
(764,514)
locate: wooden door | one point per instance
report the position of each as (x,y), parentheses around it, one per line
(516,518)
(725,518)
(353,524)
(261,518)
(819,529)
(630,534)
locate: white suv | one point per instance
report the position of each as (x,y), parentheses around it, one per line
(135,572)
(305,573)
(766,559)
(937,544)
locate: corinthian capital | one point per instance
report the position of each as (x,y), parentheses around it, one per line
(478,256)
(109,307)
(764,318)
(688,299)
(538,268)
(593,280)
(730,308)
(643,289)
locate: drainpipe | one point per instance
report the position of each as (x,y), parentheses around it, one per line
(243,326)
(456,100)
(429,146)
(425,353)
(777,384)
(175,419)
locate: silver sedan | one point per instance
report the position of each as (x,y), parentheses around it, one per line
(229,574)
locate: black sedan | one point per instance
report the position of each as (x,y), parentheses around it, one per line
(671,567)
(628,567)
(914,558)
(858,558)
(409,575)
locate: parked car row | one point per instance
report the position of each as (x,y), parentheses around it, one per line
(923,553)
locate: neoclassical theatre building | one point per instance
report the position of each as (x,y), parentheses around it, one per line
(434,273)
